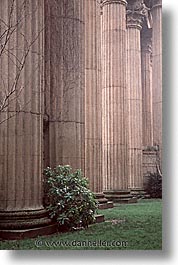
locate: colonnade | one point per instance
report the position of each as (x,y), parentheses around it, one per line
(88,95)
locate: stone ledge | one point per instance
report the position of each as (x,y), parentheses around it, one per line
(106,205)
(120,196)
(28,233)
(99,218)
(23,220)
(125,201)
(138,192)
(116,192)
(103,202)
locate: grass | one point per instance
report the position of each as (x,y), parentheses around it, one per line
(127,227)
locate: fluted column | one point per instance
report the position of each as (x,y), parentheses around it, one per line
(21,132)
(93,95)
(135,17)
(113,94)
(157,72)
(64,78)
(147,107)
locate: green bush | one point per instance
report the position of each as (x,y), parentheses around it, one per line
(68,199)
(154,185)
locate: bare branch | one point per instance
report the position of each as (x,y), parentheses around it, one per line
(8,29)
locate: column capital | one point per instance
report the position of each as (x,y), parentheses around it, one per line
(156,3)
(134,20)
(109,2)
(137,11)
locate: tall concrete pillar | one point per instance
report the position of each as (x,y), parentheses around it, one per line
(147,107)
(115,174)
(93,95)
(64,79)
(21,209)
(135,17)
(157,72)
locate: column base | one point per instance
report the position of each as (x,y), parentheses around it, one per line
(138,193)
(103,202)
(120,196)
(23,224)
(28,233)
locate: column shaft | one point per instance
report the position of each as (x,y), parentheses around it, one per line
(134,25)
(147,89)
(93,95)
(21,131)
(113,94)
(65,86)
(157,72)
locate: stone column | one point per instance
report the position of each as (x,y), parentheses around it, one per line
(135,17)
(21,209)
(115,174)
(93,95)
(147,107)
(157,72)
(64,78)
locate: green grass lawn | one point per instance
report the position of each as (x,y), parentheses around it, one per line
(126,227)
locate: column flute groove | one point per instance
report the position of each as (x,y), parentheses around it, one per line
(147,87)
(157,73)
(65,24)
(136,11)
(92,96)
(113,95)
(21,196)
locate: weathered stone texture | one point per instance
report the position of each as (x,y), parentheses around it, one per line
(89,95)
(21,133)
(115,174)
(157,72)
(64,74)
(147,106)
(149,162)
(93,95)
(134,85)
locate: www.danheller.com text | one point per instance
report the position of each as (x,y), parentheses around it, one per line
(82,243)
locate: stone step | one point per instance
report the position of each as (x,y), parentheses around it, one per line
(120,196)
(115,196)
(136,189)
(107,205)
(28,233)
(103,200)
(138,192)
(99,195)
(117,192)
(125,201)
